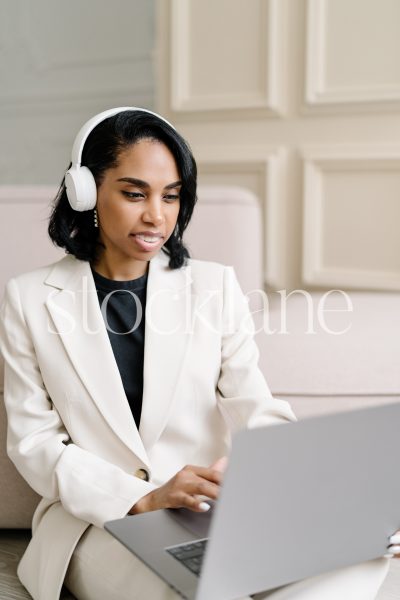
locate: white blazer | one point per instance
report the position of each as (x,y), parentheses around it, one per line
(71,433)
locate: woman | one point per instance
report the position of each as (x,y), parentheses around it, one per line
(100,424)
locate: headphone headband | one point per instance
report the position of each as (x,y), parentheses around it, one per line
(79,181)
(83,133)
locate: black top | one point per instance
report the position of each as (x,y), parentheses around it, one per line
(123,306)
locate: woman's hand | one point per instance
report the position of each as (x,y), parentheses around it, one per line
(394,546)
(183,490)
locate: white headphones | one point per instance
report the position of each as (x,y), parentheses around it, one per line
(79,181)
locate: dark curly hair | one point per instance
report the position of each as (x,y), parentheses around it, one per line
(75,232)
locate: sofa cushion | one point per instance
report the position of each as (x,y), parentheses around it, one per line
(315,372)
(227,227)
(300,360)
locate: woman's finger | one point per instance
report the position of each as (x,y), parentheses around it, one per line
(196,504)
(220,464)
(207,473)
(395,538)
(394,550)
(197,481)
(202,487)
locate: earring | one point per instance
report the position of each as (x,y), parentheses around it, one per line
(96,224)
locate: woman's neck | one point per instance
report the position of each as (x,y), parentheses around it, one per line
(120,272)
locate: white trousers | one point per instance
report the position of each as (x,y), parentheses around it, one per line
(102,568)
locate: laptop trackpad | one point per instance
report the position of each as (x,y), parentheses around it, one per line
(196,523)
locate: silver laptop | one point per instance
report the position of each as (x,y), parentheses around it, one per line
(298,499)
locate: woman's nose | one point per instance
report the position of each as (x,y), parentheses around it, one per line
(153,213)
(153,217)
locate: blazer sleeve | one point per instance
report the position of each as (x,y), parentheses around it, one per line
(243,394)
(38,443)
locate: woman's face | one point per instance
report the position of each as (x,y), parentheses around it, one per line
(140,194)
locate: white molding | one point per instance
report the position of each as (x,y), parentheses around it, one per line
(269,95)
(55,102)
(317,94)
(265,164)
(317,161)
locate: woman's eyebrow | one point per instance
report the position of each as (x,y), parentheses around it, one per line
(144,184)
(173,185)
(134,181)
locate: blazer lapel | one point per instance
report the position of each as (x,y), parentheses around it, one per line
(167,338)
(75,311)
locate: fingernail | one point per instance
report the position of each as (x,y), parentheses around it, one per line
(204,506)
(395,538)
(394,549)
(388,555)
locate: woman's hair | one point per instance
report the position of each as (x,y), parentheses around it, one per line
(75,232)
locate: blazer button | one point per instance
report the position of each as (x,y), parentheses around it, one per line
(142,474)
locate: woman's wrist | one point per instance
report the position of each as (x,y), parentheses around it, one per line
(142,505)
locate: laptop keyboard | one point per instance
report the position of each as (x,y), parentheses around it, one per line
(190,554)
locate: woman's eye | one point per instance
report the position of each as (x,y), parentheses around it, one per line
(132,194)
(140,195)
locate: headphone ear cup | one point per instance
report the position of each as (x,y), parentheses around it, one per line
(81,188)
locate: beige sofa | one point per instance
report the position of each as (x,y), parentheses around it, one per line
(316,370)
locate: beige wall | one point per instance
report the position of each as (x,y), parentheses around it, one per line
(61,63)
(298,101)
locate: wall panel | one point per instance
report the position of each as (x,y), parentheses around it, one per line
(335,67)
(352,52)
(351,217)
(260,171)
(248,55)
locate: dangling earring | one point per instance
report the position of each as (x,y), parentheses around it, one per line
(96,224)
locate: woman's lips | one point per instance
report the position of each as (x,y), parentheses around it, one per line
(146,246)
